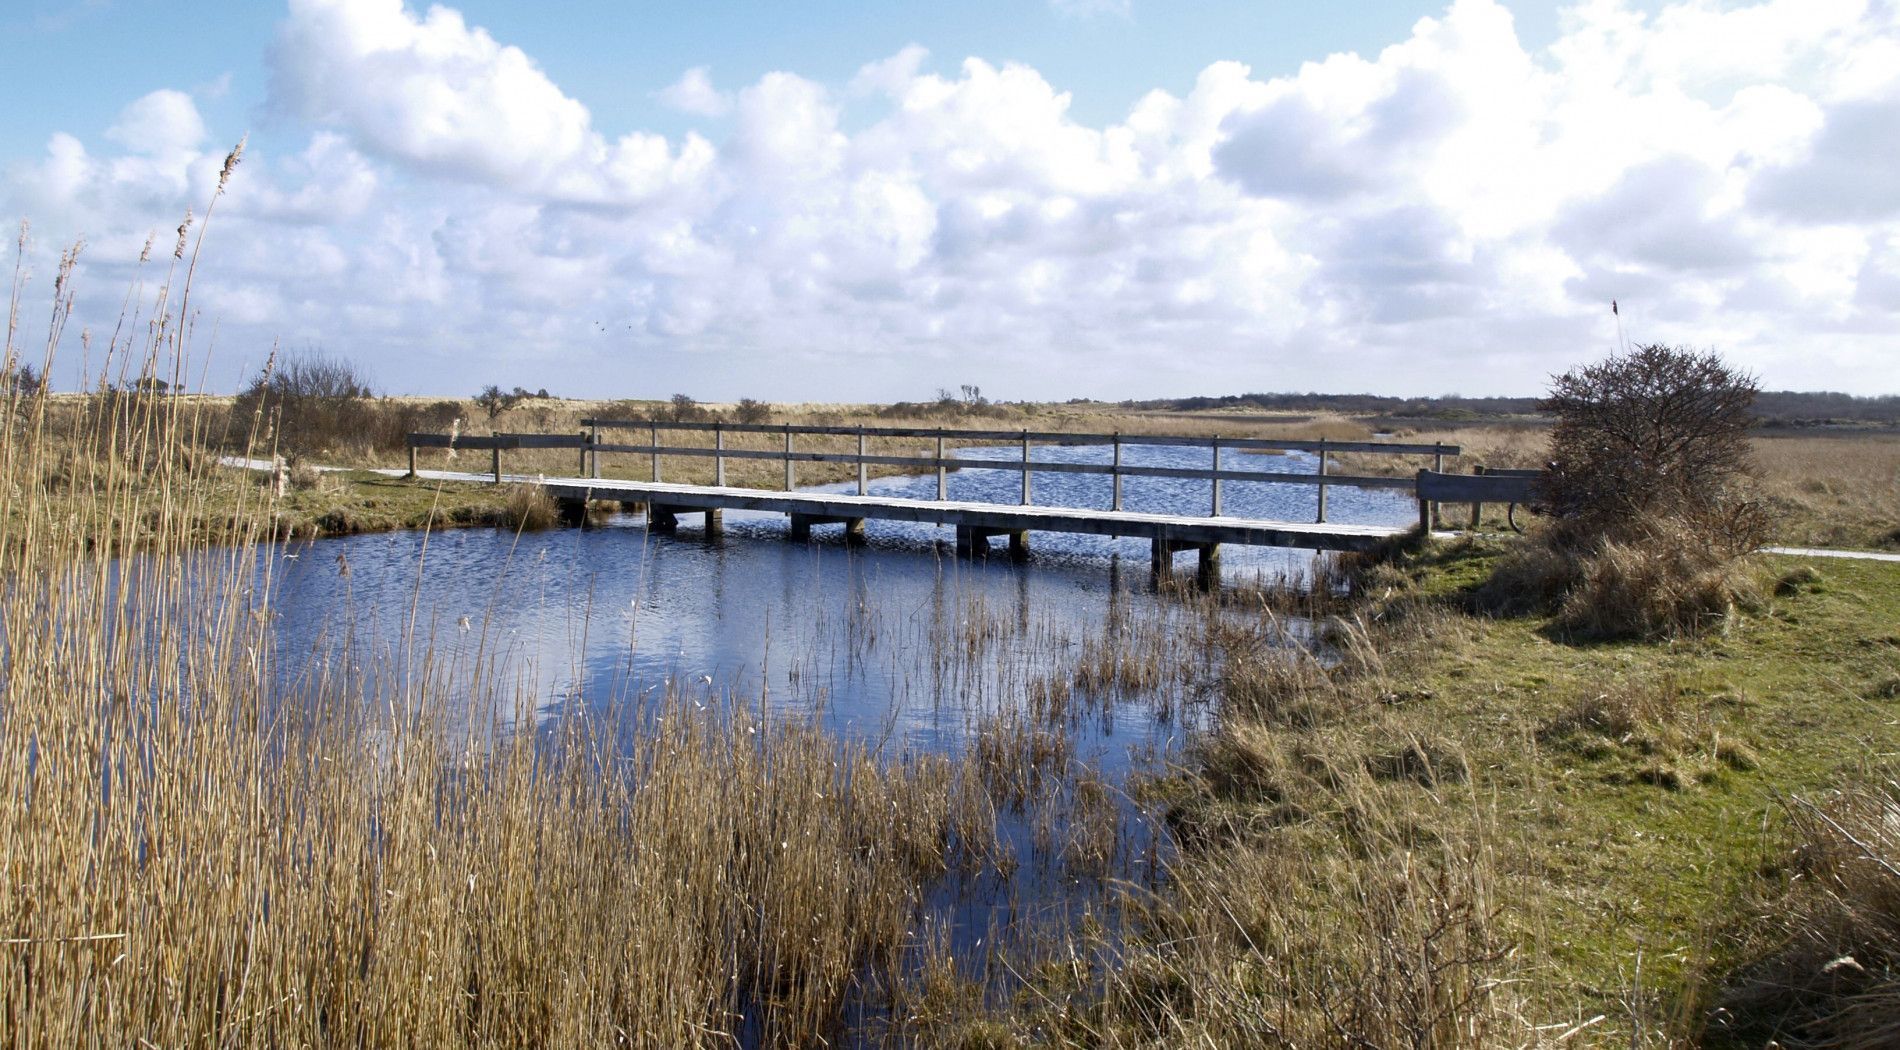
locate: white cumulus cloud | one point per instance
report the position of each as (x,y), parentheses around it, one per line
(1453,210)
(694,93)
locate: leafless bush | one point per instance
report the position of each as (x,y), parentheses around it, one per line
(1649,484)
(304,404)
(683,409)
(1661,432)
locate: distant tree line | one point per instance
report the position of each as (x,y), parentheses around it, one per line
(1782,408)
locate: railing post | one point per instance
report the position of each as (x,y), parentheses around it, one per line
(1116,503)
(1322,485)
(1213,474)
(653,434)
(497,451)
(1477,509)
(789,482)
(943,472)
(412,459)
(1438,467)
(582,471)
(1424,508)
(861,474)
(719,455)
(1025,467)
(593,439)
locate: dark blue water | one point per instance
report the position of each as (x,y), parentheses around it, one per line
(851,636)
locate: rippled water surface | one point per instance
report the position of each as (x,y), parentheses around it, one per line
(898,642)
(852,635)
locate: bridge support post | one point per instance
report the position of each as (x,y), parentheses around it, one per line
(966,541)
(802,525)
(1019,545)
(715,523)
(1438,467)
(662,518)
(1161,558)
(1207,572)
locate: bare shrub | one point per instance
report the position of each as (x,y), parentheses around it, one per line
(752,411)
(683,409)
(304,404)
(1649,485)
(1659,432)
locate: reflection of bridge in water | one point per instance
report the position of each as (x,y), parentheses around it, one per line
(976,523)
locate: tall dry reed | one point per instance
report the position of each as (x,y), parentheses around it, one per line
(199,852)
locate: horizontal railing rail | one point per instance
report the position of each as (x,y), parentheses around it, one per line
(588,443)
(1039,437)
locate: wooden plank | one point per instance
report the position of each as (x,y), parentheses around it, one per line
(543,440)
(463,441)
(1435,487)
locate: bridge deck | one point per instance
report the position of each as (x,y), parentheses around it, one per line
(1178,531)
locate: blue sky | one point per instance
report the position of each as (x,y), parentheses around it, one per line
(91,56)
(1107,198)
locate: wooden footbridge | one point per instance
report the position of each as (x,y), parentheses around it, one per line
(976,523)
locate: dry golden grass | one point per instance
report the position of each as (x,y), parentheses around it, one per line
(196,853)
(1833,980)
(196,856)
(1833,491)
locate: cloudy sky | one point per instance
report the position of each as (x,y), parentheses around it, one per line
(1046,198)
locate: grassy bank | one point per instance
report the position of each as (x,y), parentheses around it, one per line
(1467,830)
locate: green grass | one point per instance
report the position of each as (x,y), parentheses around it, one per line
(1654,836)
(364,501)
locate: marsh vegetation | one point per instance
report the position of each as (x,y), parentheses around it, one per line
(1368,805)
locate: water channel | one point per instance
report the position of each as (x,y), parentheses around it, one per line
(898,642)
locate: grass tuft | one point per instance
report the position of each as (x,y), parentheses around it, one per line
(1834,978)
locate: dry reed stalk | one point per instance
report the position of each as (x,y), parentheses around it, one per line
(197,853)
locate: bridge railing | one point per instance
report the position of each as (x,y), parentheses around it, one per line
(590,445)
